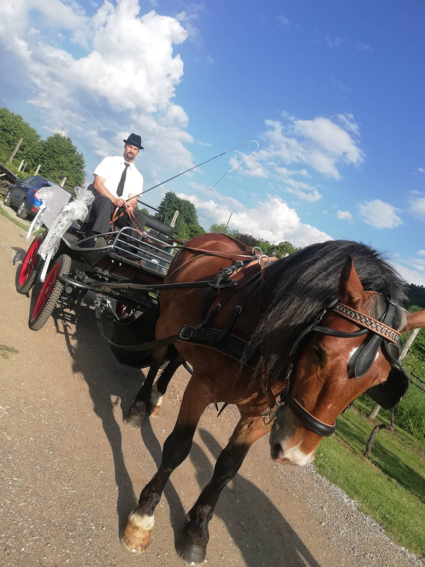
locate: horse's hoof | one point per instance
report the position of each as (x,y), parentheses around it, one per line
(189,552)
(136,535)
(154,411)
(136,415)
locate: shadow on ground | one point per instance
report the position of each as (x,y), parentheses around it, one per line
(256,526)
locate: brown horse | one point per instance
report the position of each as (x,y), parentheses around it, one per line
(274,317)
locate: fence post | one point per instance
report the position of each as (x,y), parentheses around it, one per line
(38,169)
(173,222)
(407,345)
(63,182)
(15,150)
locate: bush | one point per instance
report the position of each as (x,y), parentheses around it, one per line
(410,413)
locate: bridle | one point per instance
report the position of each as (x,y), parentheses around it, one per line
(359,364)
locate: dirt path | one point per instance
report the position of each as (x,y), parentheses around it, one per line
(69,468)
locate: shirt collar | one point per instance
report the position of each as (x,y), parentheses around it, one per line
(130,164)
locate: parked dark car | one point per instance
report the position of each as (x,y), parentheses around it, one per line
(23,195)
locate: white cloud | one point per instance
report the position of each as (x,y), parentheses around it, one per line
(379,214)
(345,215)
(271,220)
(334,42)
(420,252)
(319,144)
(362,46)
(411,276)
(417,205)
(282,20)
(421,170)
(188,18)
(111,90)
(348,123)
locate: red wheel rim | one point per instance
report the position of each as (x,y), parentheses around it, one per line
(29,261)
(46,291)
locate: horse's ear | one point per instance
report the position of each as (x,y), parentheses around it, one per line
(351,291)
(414,321)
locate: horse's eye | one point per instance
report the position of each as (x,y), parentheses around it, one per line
(320,353)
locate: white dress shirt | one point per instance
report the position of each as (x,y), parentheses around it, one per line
(111,169)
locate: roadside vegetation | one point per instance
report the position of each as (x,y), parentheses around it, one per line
(57,155)
(390,485)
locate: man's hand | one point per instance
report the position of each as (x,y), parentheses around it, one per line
(118,202)
(130,208)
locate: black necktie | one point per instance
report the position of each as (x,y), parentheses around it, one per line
(122,180)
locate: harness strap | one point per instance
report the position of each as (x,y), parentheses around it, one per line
(309,420)
(134,348)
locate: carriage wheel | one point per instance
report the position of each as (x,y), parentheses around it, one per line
(31,266)
(50,293)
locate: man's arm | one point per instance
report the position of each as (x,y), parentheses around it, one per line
(99,185)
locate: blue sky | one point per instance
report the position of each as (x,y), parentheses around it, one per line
(333,92)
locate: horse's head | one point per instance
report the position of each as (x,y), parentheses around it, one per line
(323,381)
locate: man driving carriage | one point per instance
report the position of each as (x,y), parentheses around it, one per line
(117,179)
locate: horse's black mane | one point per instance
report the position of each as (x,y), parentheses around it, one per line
(299,286)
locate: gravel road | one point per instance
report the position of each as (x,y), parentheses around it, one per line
(70,468)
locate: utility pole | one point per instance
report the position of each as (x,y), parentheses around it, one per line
(412,336)
(173,222)
(229,220)
(15,150)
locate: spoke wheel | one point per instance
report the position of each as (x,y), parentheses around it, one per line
(49,295)
(22,213)
(7,199)
(31,266)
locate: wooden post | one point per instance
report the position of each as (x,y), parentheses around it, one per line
(38,169)
(229,220)
(173,222)
(22,163)
(412,336)
(63,182)
(408,343)
(15,150)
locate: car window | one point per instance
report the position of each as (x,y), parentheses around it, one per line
(28,181)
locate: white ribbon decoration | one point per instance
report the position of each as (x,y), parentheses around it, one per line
(73,211)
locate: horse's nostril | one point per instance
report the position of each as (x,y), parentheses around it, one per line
(277,451)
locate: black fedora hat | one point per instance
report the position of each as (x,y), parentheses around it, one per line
(134,140)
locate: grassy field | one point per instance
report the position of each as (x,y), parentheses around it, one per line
(390,485)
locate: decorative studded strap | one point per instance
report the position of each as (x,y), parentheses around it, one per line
(367,322)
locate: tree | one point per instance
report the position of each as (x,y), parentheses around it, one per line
(59,158)
(12,128)
(219,228)
(187,224)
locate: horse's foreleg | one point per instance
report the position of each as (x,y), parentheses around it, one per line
(192,545)
(160,387)
(142,403)
(136,535)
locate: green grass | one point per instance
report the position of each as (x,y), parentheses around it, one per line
(389,487)
(25,227)
(5,214)
(5,351)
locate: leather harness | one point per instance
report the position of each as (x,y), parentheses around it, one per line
(222,340)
